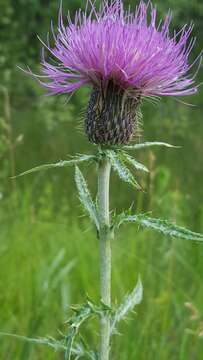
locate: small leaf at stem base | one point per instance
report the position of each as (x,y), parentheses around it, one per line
(130,301)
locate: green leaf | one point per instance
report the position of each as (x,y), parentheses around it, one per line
(60,164)
(49,341)
(82,313)
(78,351)
(121,169)
(163,226)
(85,197)
(149,144)
(129,159)
(130,301)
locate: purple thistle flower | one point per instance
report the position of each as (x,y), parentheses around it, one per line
(125,58)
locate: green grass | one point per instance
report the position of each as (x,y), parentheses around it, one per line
(48,263)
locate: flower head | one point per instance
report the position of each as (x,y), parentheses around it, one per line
(125,57)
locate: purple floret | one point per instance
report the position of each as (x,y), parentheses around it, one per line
(116,45)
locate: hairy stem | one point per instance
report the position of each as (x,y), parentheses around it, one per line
(105,253)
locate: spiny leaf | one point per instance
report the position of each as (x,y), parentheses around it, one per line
(121,169)
(82,313)
(163,226)
(60,164)
(149,144)
(130,301)
(57,345)
(133,162)
(85,197)
(51,342)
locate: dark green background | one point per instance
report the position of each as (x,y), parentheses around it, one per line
(40,214)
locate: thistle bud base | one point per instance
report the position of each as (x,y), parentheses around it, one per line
(111,117)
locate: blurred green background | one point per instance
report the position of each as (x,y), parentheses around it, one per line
(48,250)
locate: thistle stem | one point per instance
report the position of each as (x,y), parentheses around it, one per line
(105,253)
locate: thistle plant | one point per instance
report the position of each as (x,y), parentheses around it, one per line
(124,58)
